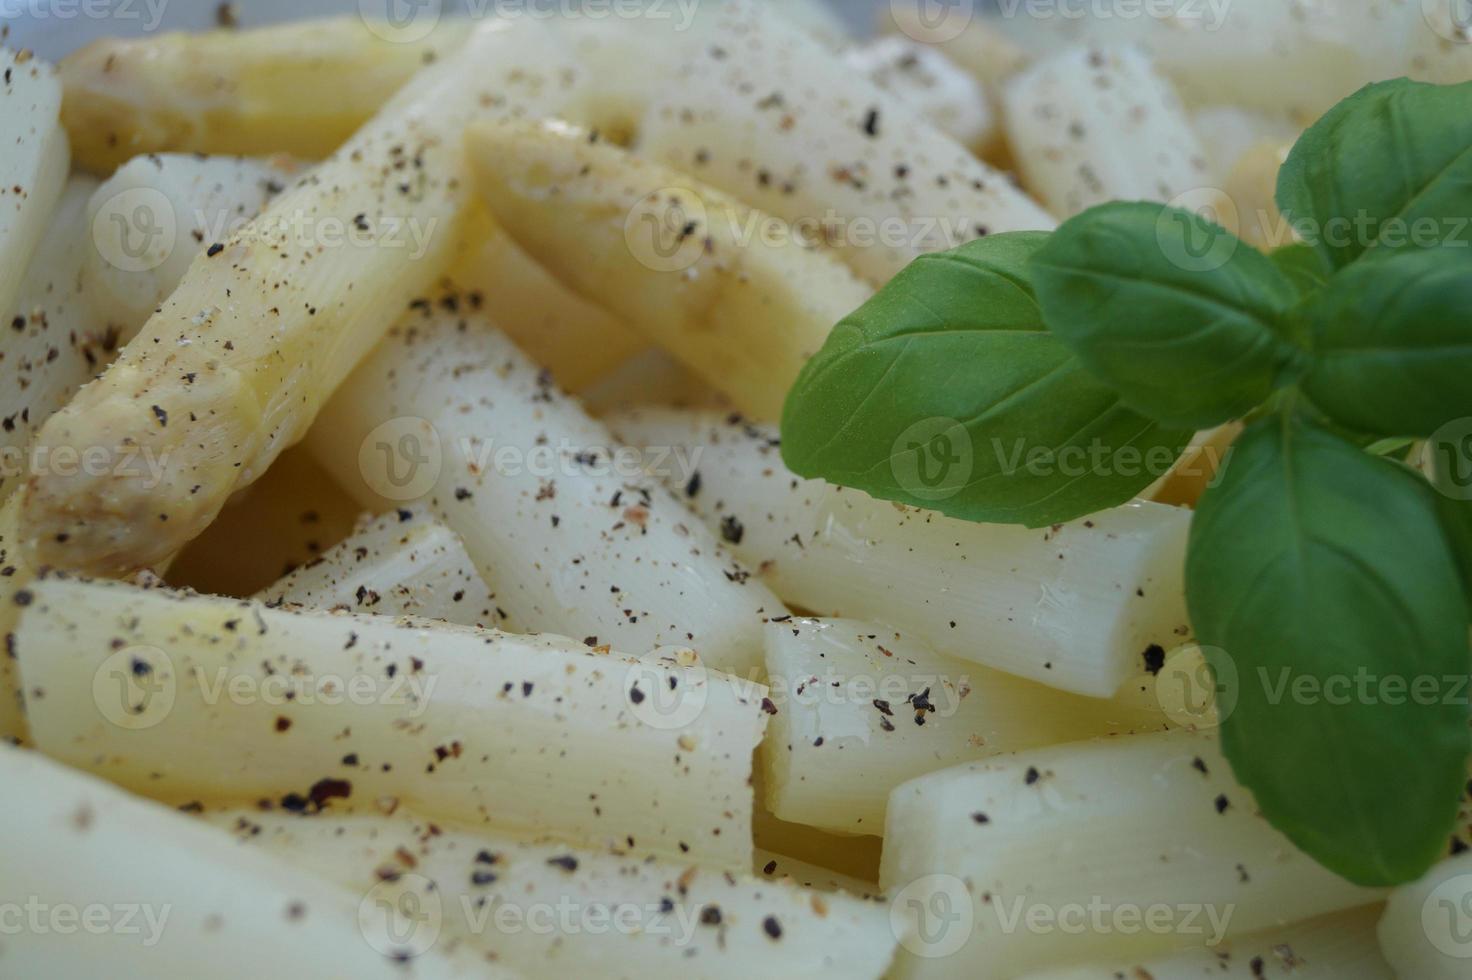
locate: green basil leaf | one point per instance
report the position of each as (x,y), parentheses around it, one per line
(1175,313)
(1393,343)
(946,391)
(1303,266)
(1389,168)
(1323,576)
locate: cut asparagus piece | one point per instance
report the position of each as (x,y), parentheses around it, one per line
(1079,607)
(1090,125)
(546,910)
(301,88)
(862,709)
(579,539)
(190,698)
(104,884)
(33,162)
(686,264)
(784,125)
(404,563)
(1112,850)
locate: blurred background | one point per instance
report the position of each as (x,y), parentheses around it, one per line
(56,35)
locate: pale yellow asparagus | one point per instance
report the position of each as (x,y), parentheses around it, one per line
(721,286)
(299,88)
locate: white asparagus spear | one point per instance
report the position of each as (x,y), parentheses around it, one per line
(862,709)
(1332,947)
(265,325)
(579,539)
(1112,850)
(404,563)
(1090,125)
(33,162)
(782,124)
(691,268)
(95,882)
(1075,607)
(189,698)
(550,911)
(299,88)
(954,101)
(1426,932)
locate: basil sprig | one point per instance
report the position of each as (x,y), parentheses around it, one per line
(1318,562)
